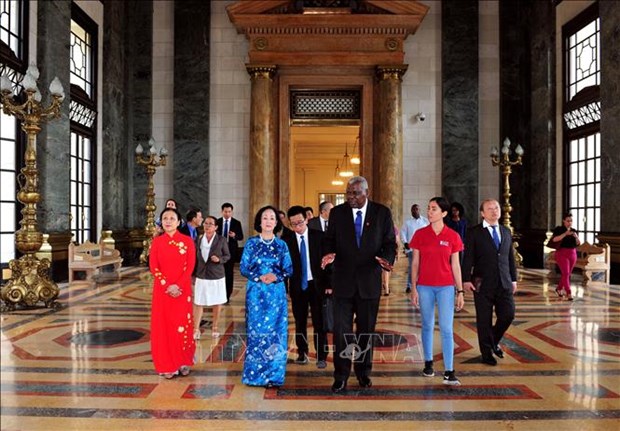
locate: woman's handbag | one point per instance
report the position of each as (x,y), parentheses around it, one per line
(328,313)
(553,244)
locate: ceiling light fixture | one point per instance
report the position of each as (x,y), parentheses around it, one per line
(337,181)
(346,164)
(355,158)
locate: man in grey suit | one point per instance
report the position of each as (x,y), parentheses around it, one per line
(322,221)
(360,242)
(489,270)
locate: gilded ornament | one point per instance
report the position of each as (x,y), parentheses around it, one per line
(260,43)
(391,44)
(30,280)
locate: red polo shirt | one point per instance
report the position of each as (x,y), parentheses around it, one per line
(435,251)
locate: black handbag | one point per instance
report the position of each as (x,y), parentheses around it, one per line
(328,314)
(553,244)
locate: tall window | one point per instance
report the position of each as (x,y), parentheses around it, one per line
(582,114)
(13,63)
(83,116)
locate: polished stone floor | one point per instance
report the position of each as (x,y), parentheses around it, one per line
(87,366)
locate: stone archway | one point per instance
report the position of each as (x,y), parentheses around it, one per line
(313,42)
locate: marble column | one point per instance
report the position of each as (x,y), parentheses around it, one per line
(388,145)
(610,132)
(263,138)
(460,106)
(115,170)
(126,121)
(191,114)
(139,112)
(53,143)
(529,89)
(541,146)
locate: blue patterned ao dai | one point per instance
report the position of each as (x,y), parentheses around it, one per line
(266,311)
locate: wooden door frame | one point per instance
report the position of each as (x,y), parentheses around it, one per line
(302,77)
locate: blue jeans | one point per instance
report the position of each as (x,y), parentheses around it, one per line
(444,297)
(410,257)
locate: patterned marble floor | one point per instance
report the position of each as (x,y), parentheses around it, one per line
(86,366)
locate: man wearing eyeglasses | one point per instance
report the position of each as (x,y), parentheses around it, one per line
(360,242)
(307,285)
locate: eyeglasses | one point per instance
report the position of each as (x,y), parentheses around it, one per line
(299,223)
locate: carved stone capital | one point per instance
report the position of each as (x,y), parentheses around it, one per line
(385,73)
(258,71)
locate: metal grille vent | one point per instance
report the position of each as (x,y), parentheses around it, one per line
(343,104)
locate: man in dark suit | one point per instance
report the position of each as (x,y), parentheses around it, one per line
(307,285)
(322,221)
(230,228)
(360,242)
(194,221)
(489,270)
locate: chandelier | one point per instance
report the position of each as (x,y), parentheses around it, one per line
(355,158)
(337,181)
(346,164)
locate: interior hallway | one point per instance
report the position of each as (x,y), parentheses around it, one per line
(87,366)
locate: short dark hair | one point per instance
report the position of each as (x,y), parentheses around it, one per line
(191,214)
(566,215)
(459,207)
(259,216)
(441,202)
(176,205)
(227,205)
(212,218)
(309,209)
(174,210)
(296,209)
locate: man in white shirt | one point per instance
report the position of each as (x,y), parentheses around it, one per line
(321,222)
(406,233)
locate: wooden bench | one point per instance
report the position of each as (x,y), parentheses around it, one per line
(594,261)
(90,258)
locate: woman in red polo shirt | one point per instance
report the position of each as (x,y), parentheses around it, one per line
(436,279)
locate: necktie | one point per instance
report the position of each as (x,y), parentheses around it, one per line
(304,264)
(225,233)
(495,237)
(325,228)
(358,228)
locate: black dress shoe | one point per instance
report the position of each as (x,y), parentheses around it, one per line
(302,359)
(498,351)
(364,382)
(489,360)
(339,386)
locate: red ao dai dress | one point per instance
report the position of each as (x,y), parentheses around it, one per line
(172,260)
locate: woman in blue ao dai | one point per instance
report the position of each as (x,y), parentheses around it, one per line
(266,263)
